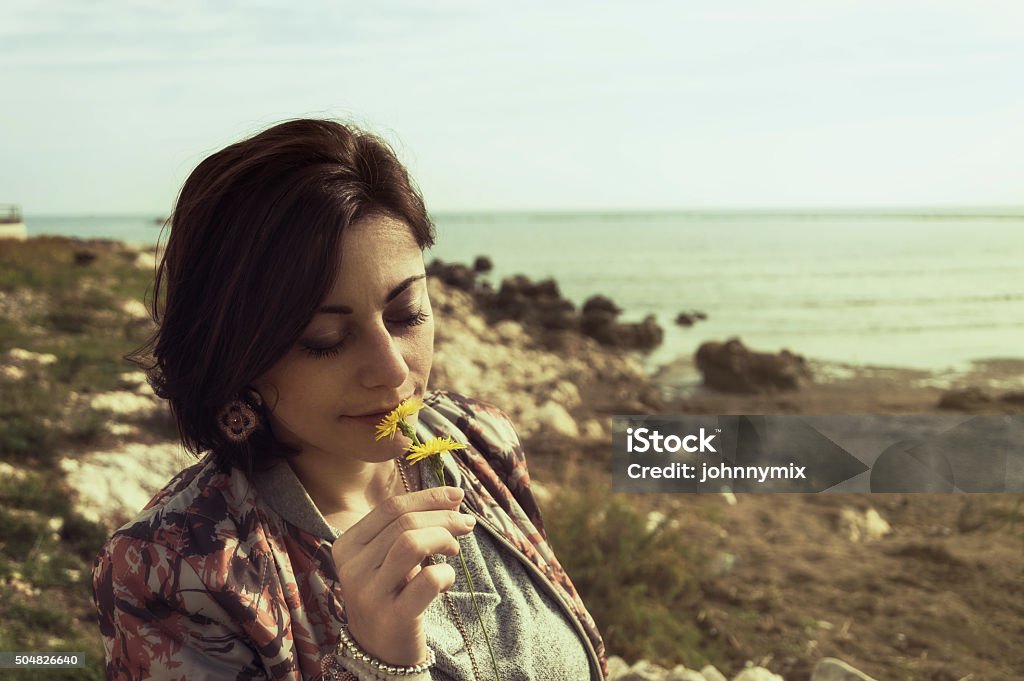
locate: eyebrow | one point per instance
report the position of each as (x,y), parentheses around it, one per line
(394,293)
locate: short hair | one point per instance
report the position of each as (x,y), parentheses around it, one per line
(252,252)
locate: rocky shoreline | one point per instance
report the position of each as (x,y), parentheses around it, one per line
(526,347)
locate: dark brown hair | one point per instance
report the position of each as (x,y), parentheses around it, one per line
(252,252)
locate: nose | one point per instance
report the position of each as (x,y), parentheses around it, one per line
(384,365)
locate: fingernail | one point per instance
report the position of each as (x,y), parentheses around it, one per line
(455,493)
(468,520)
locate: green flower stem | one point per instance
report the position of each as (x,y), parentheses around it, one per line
(408,431)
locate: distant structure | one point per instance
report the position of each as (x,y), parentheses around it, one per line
(11,225)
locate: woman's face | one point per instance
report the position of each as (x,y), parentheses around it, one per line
(369,347)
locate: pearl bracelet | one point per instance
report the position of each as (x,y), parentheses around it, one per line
(352,650)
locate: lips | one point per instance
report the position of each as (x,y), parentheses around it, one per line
(373,414)
(380,412)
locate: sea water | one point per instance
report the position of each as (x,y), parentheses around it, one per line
(929,291)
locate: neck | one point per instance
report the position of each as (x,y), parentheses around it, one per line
(347,486)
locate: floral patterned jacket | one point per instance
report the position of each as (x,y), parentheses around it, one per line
(210,582)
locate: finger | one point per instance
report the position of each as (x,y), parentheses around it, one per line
(376,550)
(424,588)
(411,549)
(370,525)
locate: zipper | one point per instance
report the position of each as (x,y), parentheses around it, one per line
(593,659)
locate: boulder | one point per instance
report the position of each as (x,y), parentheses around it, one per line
(712,674)
(455,275)
(863,527)
(1013,397)
(690,318)
(757,674)
(598,320)
(616,667)
(731,367)
(965,398)
(553,418)
(601,305)
(84,257)
(681,673)
(644,671)
(482,264)
(645,335)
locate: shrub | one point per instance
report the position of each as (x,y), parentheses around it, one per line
(83,536)
(641,585)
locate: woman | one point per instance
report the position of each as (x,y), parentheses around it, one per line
(300,546)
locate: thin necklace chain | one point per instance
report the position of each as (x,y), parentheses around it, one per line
(449,601)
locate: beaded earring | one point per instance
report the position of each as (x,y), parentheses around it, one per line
(238,420)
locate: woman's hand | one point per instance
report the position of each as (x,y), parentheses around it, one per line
(383,582)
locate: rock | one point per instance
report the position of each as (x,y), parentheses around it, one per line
(554,418)
(689,318)
(721,564)
(541,492)
(520,286)
(867,526)
(112,486)
(135,381)
(1013,397)
(654,519)
(456,275)
(964,399)
(598,322)
(22,357)
(84,257)
(24,364)
(601,305)
(645,335)
(593,430)
(539,304)
(832,669)
(547,288)
(757,674)
(683,319)
(563,392)
(501,361)
(12,472)
(645,671)
(145,261)
(555,314)
(510,331)
(124,402)
(731,367)
(482,264)
(616,667)
(712,674)
(135,309)
(681,673)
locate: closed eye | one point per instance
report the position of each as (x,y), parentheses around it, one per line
(413,320)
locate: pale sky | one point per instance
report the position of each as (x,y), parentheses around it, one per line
(106,106)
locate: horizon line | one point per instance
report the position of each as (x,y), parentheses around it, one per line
(980,212)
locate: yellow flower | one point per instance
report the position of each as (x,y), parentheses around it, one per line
(432,447)
(389,424)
